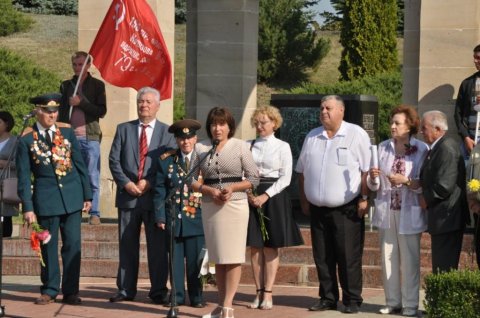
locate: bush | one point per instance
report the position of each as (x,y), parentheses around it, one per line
(287,44)
(180,11)
(20,80)
(453,294)
(11,20)
(59,7)
(386,87)
(369,38)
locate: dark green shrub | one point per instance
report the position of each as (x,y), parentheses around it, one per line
(20,80)
(180,11)
(287,45)
(11,20)
(369,38)
(59,7)
(386,87)
(452,295)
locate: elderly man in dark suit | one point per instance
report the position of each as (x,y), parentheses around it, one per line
(136,146)
(173,166)
(49,159)
(443,182)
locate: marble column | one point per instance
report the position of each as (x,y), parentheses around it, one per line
(222,46)
(439,39)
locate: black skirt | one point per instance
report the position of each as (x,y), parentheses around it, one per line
(281,227)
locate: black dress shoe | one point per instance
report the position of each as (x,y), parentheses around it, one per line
(161,300)
(169,304)
(198,305)
(350,309)
(72,300)
(323,305)
(119,298)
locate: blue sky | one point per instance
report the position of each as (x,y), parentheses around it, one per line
(323,5)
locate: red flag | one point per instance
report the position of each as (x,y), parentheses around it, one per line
(129,50)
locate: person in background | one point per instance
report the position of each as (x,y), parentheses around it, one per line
(465,115)
(7,144)
(49,162)
(398,214)
(274,161)
(173,166)
(133,163)
(332,168)
(442,179)
(83,111)
(227,174)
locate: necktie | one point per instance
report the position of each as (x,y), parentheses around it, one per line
(143,149)
(48,139)
(187,164)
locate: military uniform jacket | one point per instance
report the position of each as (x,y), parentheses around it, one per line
(188,214)
(59,176)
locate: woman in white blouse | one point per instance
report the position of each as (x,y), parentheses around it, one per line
(398,212)
(274,160)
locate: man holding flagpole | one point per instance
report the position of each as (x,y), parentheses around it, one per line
(82,105)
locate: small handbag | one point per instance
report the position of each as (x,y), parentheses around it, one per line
(9,189)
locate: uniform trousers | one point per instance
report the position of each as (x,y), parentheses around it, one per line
(69,226)
(400,265)
(129,225)
(338,236)
(186,253)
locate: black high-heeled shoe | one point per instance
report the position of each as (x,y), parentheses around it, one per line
(258,299)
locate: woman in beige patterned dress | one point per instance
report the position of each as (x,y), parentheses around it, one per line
(226,174)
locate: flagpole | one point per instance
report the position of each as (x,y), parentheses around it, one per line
(78,83)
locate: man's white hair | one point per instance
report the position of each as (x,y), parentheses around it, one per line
(147,90)
(437,119)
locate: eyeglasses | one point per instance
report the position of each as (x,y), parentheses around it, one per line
(261,123)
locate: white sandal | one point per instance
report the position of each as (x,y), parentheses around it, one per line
(226,312)
(212,315)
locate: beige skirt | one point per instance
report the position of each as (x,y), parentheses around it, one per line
(225,228)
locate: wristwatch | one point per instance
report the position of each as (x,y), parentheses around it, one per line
(409,182)
(364,197)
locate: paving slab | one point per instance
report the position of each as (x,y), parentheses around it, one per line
(19,292)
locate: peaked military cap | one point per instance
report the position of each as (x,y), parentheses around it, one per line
(48,102)
(185,128)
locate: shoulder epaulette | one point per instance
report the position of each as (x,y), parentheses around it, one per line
(168,153)
(63,125)
(27,131)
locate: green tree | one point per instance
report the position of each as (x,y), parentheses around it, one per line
(11,20)
(369,38)
(331,21)
(287,44)
(20,79)
(180,11)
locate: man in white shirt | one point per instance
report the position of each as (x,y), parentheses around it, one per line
(332,167)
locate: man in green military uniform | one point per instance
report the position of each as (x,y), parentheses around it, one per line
(189,240)
(49,159)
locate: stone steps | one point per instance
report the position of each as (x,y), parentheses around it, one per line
(100,257)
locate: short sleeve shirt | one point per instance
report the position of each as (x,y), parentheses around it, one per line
(332,167)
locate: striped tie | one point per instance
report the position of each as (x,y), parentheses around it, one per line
(143,149)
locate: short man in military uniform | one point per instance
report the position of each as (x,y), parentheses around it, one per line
(189,240)
(49,159)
